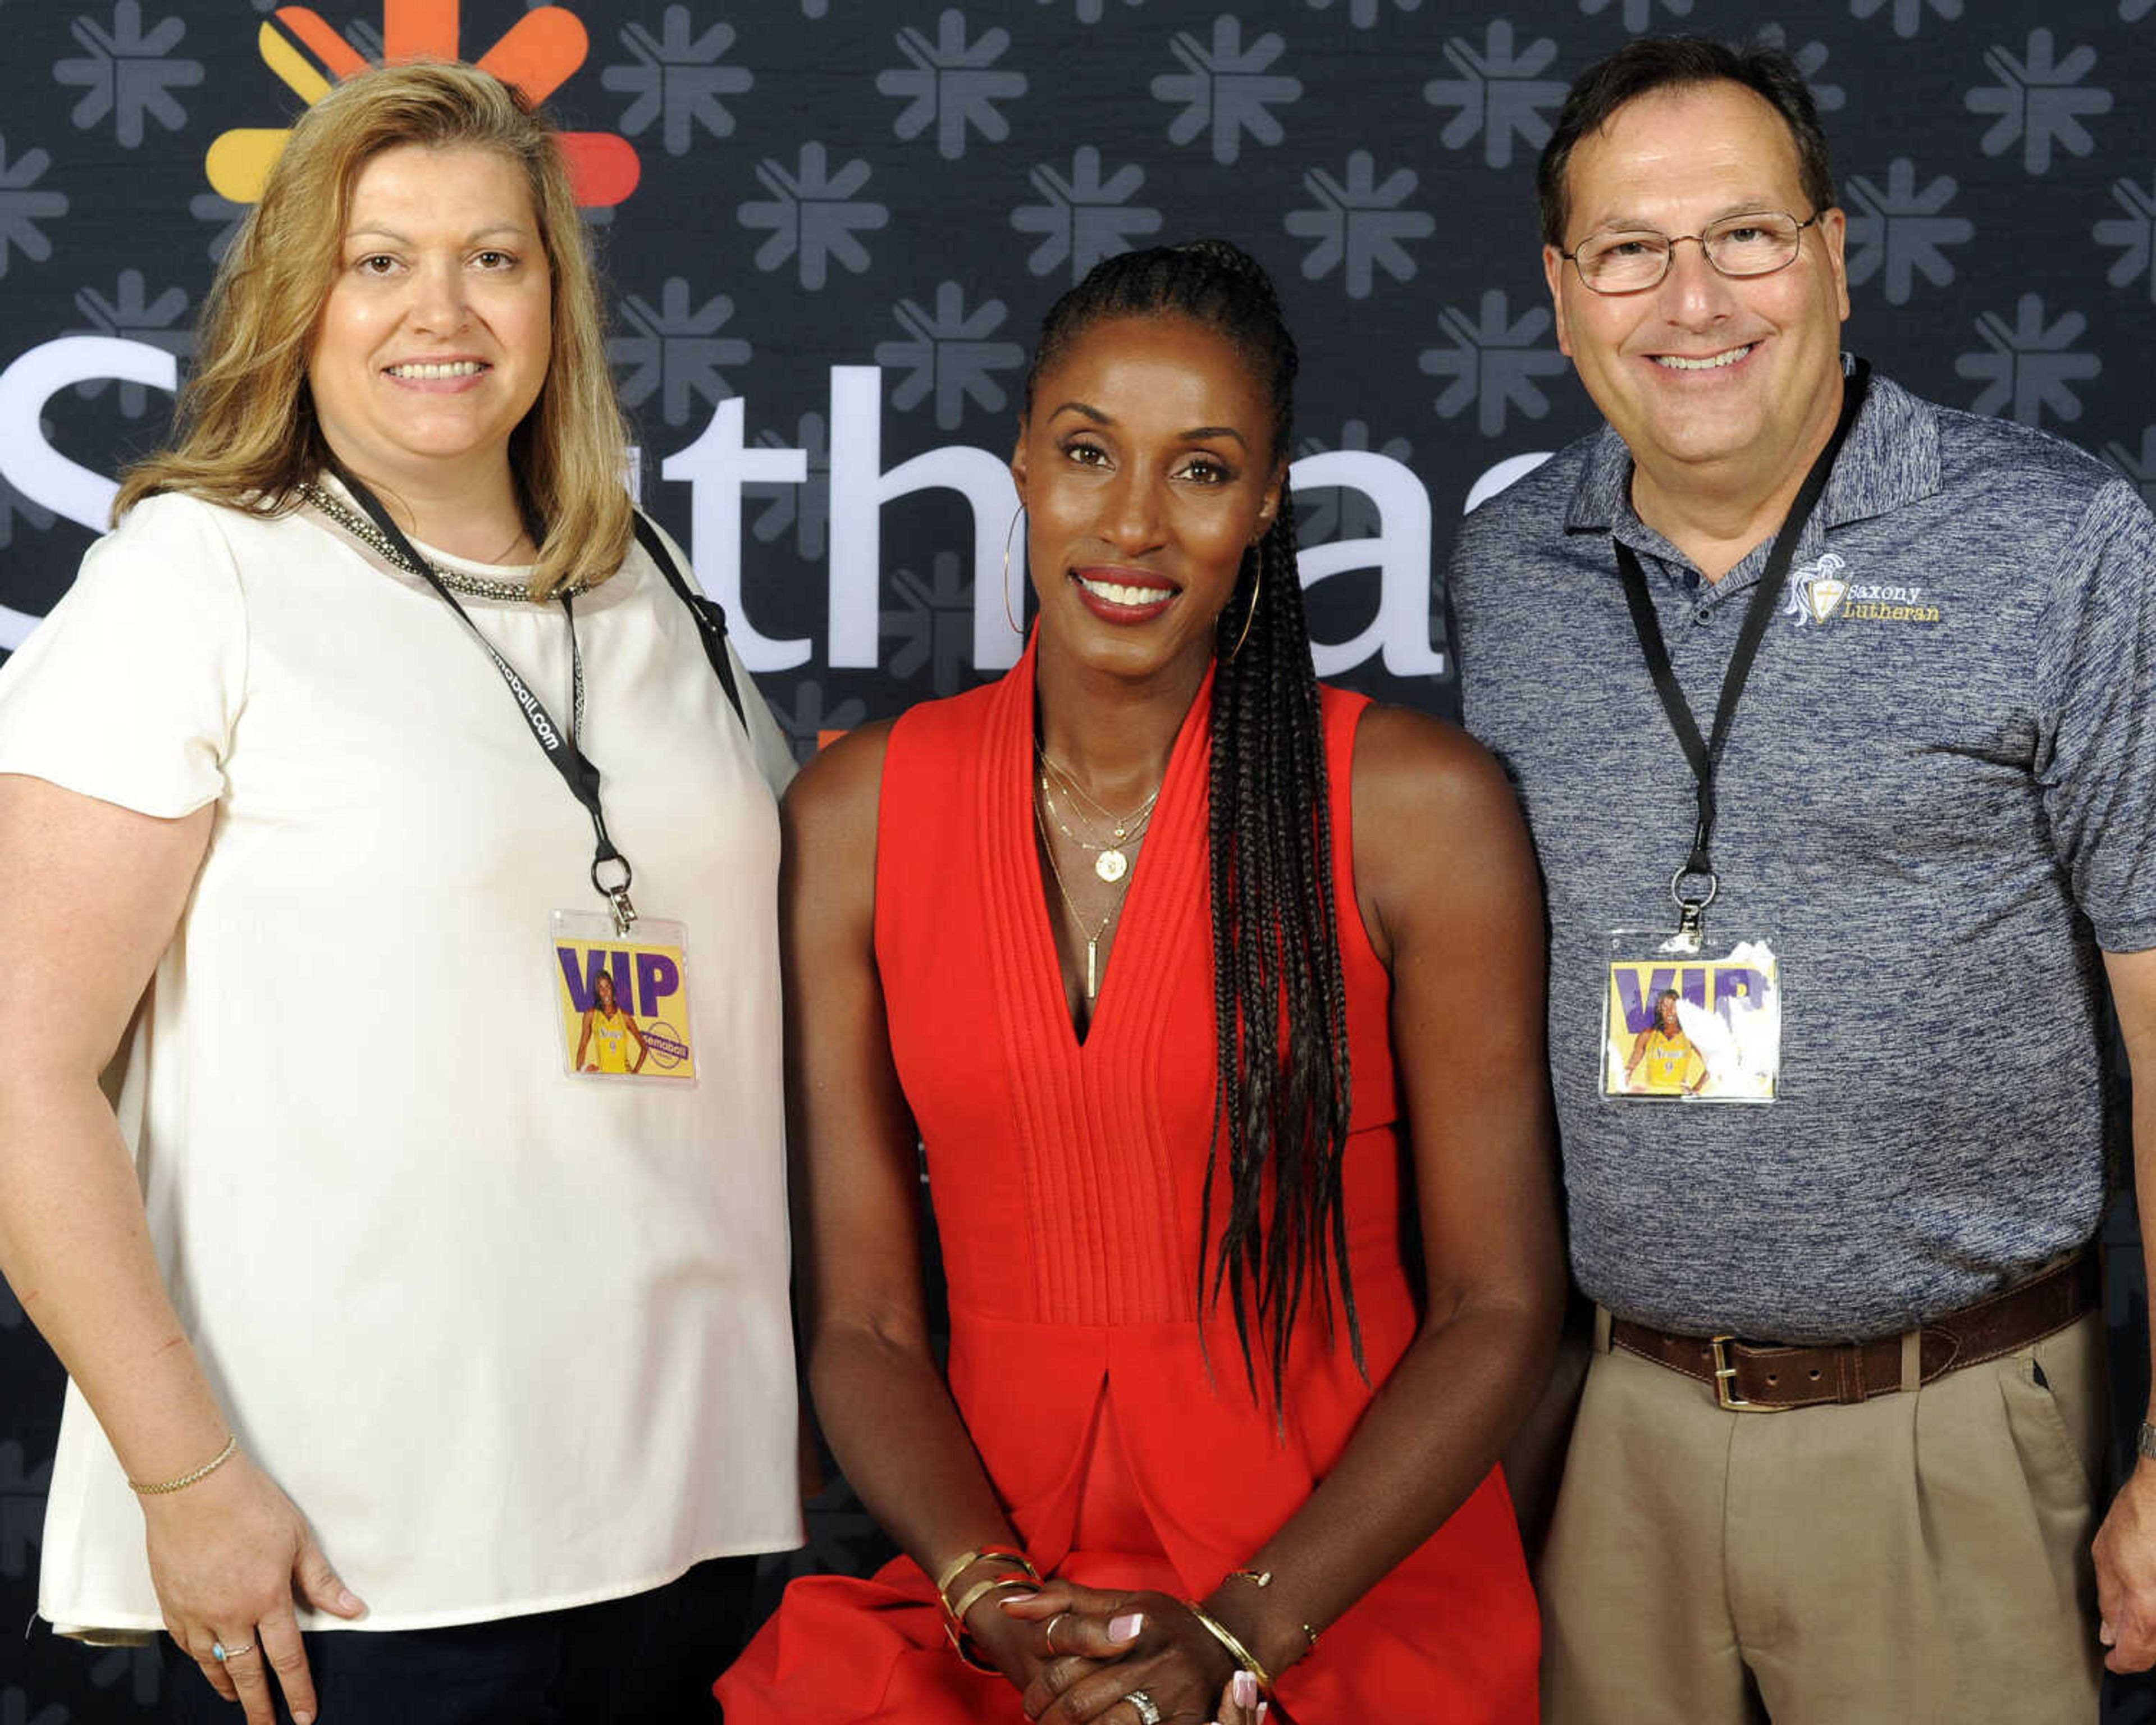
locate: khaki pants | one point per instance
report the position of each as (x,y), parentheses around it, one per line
(1922,1556)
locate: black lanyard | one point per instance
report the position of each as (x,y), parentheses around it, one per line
(576,768)
(1705,754)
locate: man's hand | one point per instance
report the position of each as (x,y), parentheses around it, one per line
(2125,1552)
(2126,1544)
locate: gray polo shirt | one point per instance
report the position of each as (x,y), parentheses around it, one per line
(1936,806)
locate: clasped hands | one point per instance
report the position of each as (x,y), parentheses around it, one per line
(1080,1654)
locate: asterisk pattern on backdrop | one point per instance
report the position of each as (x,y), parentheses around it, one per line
(901,187)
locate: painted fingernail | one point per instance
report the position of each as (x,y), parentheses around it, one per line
(1243,1687)
(303,1719)
(1126,1628)
(1011,1596)
(1264,1708)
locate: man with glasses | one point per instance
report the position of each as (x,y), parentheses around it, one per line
(1829,710)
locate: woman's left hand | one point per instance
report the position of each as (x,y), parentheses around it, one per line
(1099,1648)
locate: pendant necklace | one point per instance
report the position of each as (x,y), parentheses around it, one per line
(1112,859)
(1093,940)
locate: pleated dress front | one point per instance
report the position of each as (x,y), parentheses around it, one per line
(1067,1178)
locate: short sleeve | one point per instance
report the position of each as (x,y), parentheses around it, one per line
(1462,594)
(128,690)
(2097,755)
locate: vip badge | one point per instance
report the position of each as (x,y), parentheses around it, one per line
(623,1005)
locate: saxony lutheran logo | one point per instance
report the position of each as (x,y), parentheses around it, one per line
(1817,591)
(1822,592)
(537,54)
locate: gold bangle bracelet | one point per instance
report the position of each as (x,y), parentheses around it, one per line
(1227,1638)
(1264,1578)
(954,1619)
(231,1448)
(979,1590)
(965,1560)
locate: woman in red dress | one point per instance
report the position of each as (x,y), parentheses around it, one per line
(1158,947)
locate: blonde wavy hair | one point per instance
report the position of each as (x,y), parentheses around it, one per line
(246,434)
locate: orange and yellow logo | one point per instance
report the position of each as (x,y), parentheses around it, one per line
(536,53)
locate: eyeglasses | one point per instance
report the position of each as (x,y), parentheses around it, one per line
(1632,260)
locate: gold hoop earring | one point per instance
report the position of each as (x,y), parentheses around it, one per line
(1257,587)
(1018,628)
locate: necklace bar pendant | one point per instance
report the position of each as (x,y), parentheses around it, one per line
(1111,864)
(1092,977)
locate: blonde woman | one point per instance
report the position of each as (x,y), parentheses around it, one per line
(477,1363)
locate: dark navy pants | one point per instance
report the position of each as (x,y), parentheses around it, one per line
(646,1660)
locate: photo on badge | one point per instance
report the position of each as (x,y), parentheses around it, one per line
(622,1004)
(1691,1028)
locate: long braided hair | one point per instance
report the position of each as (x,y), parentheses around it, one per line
(1281,1100)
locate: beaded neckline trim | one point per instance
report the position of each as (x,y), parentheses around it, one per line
(475,587)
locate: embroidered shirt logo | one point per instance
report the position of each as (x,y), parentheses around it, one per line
(1822,592)
(1817,591)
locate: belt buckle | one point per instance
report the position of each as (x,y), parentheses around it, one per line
(1725,1379)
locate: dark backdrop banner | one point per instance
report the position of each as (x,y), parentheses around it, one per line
(831,226)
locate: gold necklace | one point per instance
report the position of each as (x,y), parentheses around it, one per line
(1113,859)
(1093,940)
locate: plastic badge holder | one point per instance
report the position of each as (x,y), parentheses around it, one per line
(1680,1024)
(622,1001)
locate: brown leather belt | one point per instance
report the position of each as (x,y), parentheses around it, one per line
(1765,1376)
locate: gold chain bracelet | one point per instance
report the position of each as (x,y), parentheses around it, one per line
(231,1448)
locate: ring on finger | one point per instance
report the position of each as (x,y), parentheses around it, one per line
(220,1652)
(1148,1712)
(1050,1634)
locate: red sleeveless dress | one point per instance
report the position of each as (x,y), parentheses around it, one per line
(1066,1180)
